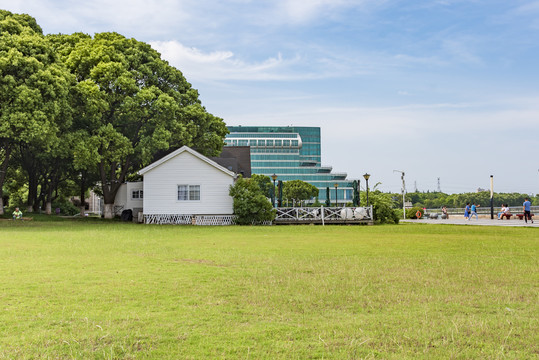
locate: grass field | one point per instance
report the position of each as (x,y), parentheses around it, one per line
(111,290)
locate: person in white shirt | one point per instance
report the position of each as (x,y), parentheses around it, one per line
(501,212)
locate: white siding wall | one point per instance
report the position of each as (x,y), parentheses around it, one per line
(133,203)
(124,195)
(121,196)
(161,187)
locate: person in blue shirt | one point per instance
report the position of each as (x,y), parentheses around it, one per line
(473,212)
(527,210)
(467,211)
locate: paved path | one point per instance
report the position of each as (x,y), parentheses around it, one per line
(485,221)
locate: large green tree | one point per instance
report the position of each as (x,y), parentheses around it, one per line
(33,89)
(130,105)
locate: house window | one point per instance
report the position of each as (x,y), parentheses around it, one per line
(188,192)
(136,194)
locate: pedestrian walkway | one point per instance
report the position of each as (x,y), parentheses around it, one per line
(483,221)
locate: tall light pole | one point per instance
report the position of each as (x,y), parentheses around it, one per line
(366,176)
(336,186)
(274,177)
(491,197)
(403,193)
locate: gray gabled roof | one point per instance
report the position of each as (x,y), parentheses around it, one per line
(192,152)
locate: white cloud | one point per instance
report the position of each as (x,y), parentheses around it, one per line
(460,51)
(299,11)
(223,65)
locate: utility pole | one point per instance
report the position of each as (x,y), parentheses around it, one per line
(439,188)
(403,193)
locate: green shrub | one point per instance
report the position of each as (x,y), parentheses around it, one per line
(382,207)
(411,213)
(66,207)
(250,205)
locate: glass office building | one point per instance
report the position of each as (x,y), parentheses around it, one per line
(291,153)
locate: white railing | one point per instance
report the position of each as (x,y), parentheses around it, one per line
(324,214)
(182,219)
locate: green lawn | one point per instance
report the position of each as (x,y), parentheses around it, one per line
(113,290)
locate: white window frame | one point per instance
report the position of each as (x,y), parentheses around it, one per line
(188,191)
(139,194)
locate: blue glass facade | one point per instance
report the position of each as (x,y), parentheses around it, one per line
(292,153)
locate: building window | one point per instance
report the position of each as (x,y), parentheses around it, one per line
(136,194)
(188,192)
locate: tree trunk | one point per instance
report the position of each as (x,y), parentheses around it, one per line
(110,187)
(108,211)
(3,170)
(82,194)
(32,192)
(48,208)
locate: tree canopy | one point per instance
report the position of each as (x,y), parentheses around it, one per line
(298,190)
(130,106)
(34,87)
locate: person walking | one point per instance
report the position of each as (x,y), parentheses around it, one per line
(526,206)
(474,212)
(467,211)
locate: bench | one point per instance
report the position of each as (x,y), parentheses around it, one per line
(507,216)
(521,216)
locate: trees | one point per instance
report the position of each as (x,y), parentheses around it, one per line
(298,190)
(34,89)
(249,203)
(131,105)
(264,183)
(383,206)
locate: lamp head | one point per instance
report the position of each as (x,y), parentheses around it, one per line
(367,176)
(274,177)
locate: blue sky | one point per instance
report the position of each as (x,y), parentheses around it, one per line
(443,89)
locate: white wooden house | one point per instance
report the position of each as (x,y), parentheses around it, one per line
(186,187)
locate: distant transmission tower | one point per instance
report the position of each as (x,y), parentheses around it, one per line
(439,189)
(415,186)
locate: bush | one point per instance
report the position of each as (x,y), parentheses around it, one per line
(411,213)
(250,205)
(382,207)
(66,207)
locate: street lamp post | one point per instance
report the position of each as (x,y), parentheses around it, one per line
(491,197)
(274,177)
(366,177)
(336,185)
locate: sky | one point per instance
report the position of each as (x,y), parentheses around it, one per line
(446,91)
